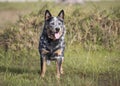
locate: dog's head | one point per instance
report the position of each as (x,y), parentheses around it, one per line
(54,25)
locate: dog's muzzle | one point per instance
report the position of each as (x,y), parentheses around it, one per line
(57,33)
(54,34)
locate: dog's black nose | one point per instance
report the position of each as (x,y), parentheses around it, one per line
(57,29)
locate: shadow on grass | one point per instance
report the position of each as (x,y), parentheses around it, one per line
(17,70)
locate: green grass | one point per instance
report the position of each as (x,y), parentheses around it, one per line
(81,67)
(18,6)
(38,5)
(87,62)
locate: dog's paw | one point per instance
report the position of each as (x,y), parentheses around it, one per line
(58,76)
(62,72)
(42,75)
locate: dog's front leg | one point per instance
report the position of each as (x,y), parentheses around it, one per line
(58,66)
(43,66)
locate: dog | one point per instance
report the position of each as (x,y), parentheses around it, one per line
(52,44)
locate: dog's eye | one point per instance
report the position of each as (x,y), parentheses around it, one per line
(52,23)
(59,23)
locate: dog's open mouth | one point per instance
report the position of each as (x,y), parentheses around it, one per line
(54,35)
(57,35)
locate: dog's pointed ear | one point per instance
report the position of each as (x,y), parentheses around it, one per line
(47,15)
(61,14)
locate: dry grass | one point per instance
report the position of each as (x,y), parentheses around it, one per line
(90,28)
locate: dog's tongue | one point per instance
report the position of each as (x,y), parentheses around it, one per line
(57,35)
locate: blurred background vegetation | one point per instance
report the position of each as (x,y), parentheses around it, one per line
(92,24)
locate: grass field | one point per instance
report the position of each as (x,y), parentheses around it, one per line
(82,68)
(91,59)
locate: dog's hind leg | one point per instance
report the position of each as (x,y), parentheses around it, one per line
(58,66)
(43,67)
(61,68)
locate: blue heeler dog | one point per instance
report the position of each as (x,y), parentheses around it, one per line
(52,45)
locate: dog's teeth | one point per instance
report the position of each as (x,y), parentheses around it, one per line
(48,62)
